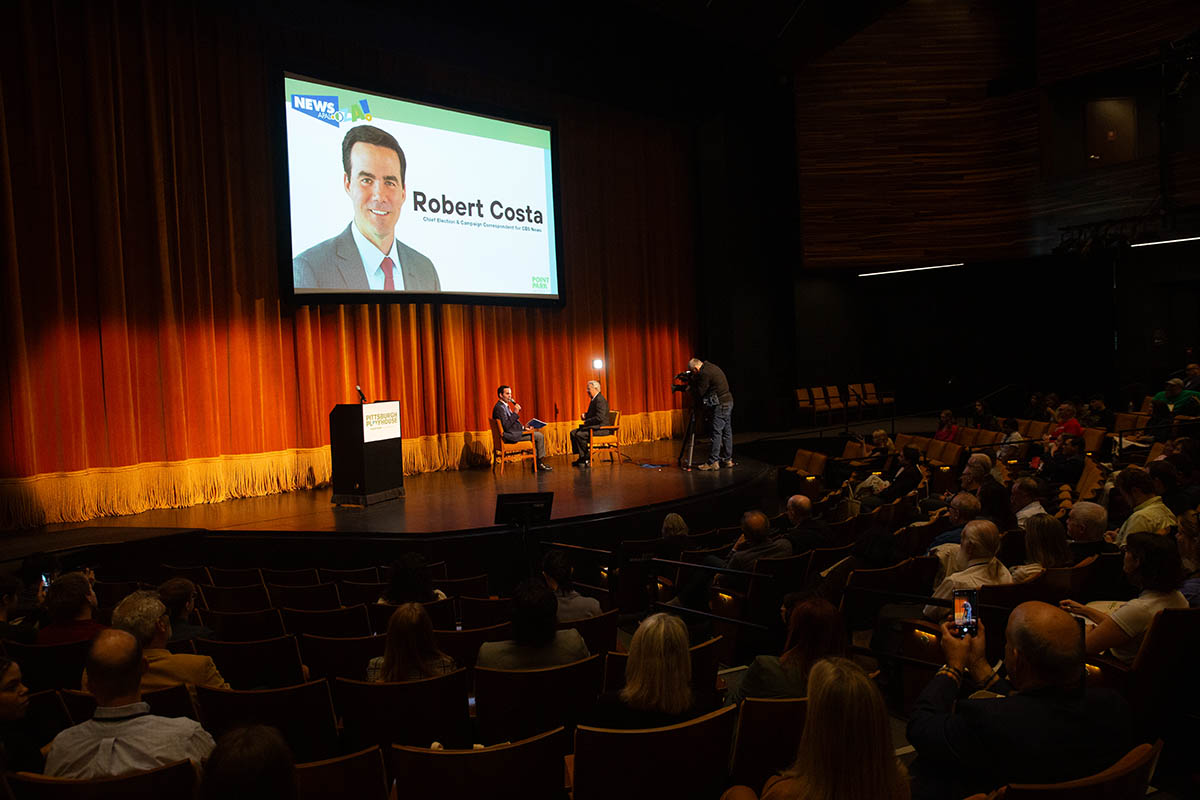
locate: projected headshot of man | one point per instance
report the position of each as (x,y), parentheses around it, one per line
(367,256)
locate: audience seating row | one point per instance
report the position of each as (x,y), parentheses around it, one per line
(828,399)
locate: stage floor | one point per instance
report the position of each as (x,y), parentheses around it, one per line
(631,493)
(434,502)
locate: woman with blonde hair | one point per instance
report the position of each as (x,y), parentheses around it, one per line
(658,678)
(846,750)
(674,525)
(1046,547)
(411,652)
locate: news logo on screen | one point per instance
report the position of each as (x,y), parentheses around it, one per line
(325,108)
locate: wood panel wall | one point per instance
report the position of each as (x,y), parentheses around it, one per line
(919,138)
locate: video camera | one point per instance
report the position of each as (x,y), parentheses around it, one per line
(683,381)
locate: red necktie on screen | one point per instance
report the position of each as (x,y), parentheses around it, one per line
(389,283)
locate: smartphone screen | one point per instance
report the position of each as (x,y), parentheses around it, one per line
(965,601)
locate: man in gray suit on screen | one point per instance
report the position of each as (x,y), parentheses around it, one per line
(366,256)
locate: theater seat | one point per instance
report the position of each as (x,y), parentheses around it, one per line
(1129,777)
(177,780)
(503,451)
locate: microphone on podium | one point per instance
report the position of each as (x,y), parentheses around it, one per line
(362,398)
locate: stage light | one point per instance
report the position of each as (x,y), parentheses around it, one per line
(910,269)
(1167,241)
(597,363)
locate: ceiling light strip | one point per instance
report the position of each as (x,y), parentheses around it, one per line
(1167,241)
(910,269)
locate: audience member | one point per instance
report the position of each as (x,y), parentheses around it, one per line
(1065,425)
(122,736)
(558,571)
(252,761)
(536,642)
(881,444)
(36,573)
(1176,495)
(963,508)
(18,749)
(145,616)
(179,596)
(1066,464)
(815,631)
(410,582)
(24,631)
(1188,542)
(1036,409)
(980,541)
(71,603)
(905,477)
(1152,564)
(1010,445)
(1150,514)
(946,429)
(1025,502)
(1045,729)
(1046,547)
(411,651)
(1191,377)
(846,749)
(1178,400)
(805,532)
(674,525)
(1086,525)
(756,542)
(982,417)
(658,676)
(1098,415)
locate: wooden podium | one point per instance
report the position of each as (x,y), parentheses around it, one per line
(364,444)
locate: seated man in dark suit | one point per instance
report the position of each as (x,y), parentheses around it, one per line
(1045,729)
(596,417)
(514,431)
(1066,465)
(805,532)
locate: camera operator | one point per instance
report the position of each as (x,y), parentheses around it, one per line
(711,389)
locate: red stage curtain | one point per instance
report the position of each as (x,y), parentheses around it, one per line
(148,359)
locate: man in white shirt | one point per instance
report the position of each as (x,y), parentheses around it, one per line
(1025,500)
(980,542)
(122,736)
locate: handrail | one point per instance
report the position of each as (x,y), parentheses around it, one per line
(744,623)
(722,570)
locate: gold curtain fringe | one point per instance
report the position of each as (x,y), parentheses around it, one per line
(87,494)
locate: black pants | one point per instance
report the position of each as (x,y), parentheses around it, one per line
(579,442)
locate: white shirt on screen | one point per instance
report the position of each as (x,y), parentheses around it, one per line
(372,260)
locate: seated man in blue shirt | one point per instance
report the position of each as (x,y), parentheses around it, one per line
(122,736)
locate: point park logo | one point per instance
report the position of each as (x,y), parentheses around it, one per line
(325,108)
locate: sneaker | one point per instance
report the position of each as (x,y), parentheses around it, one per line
(710,465)
(727,463)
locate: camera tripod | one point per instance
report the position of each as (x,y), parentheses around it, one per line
(689,442)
